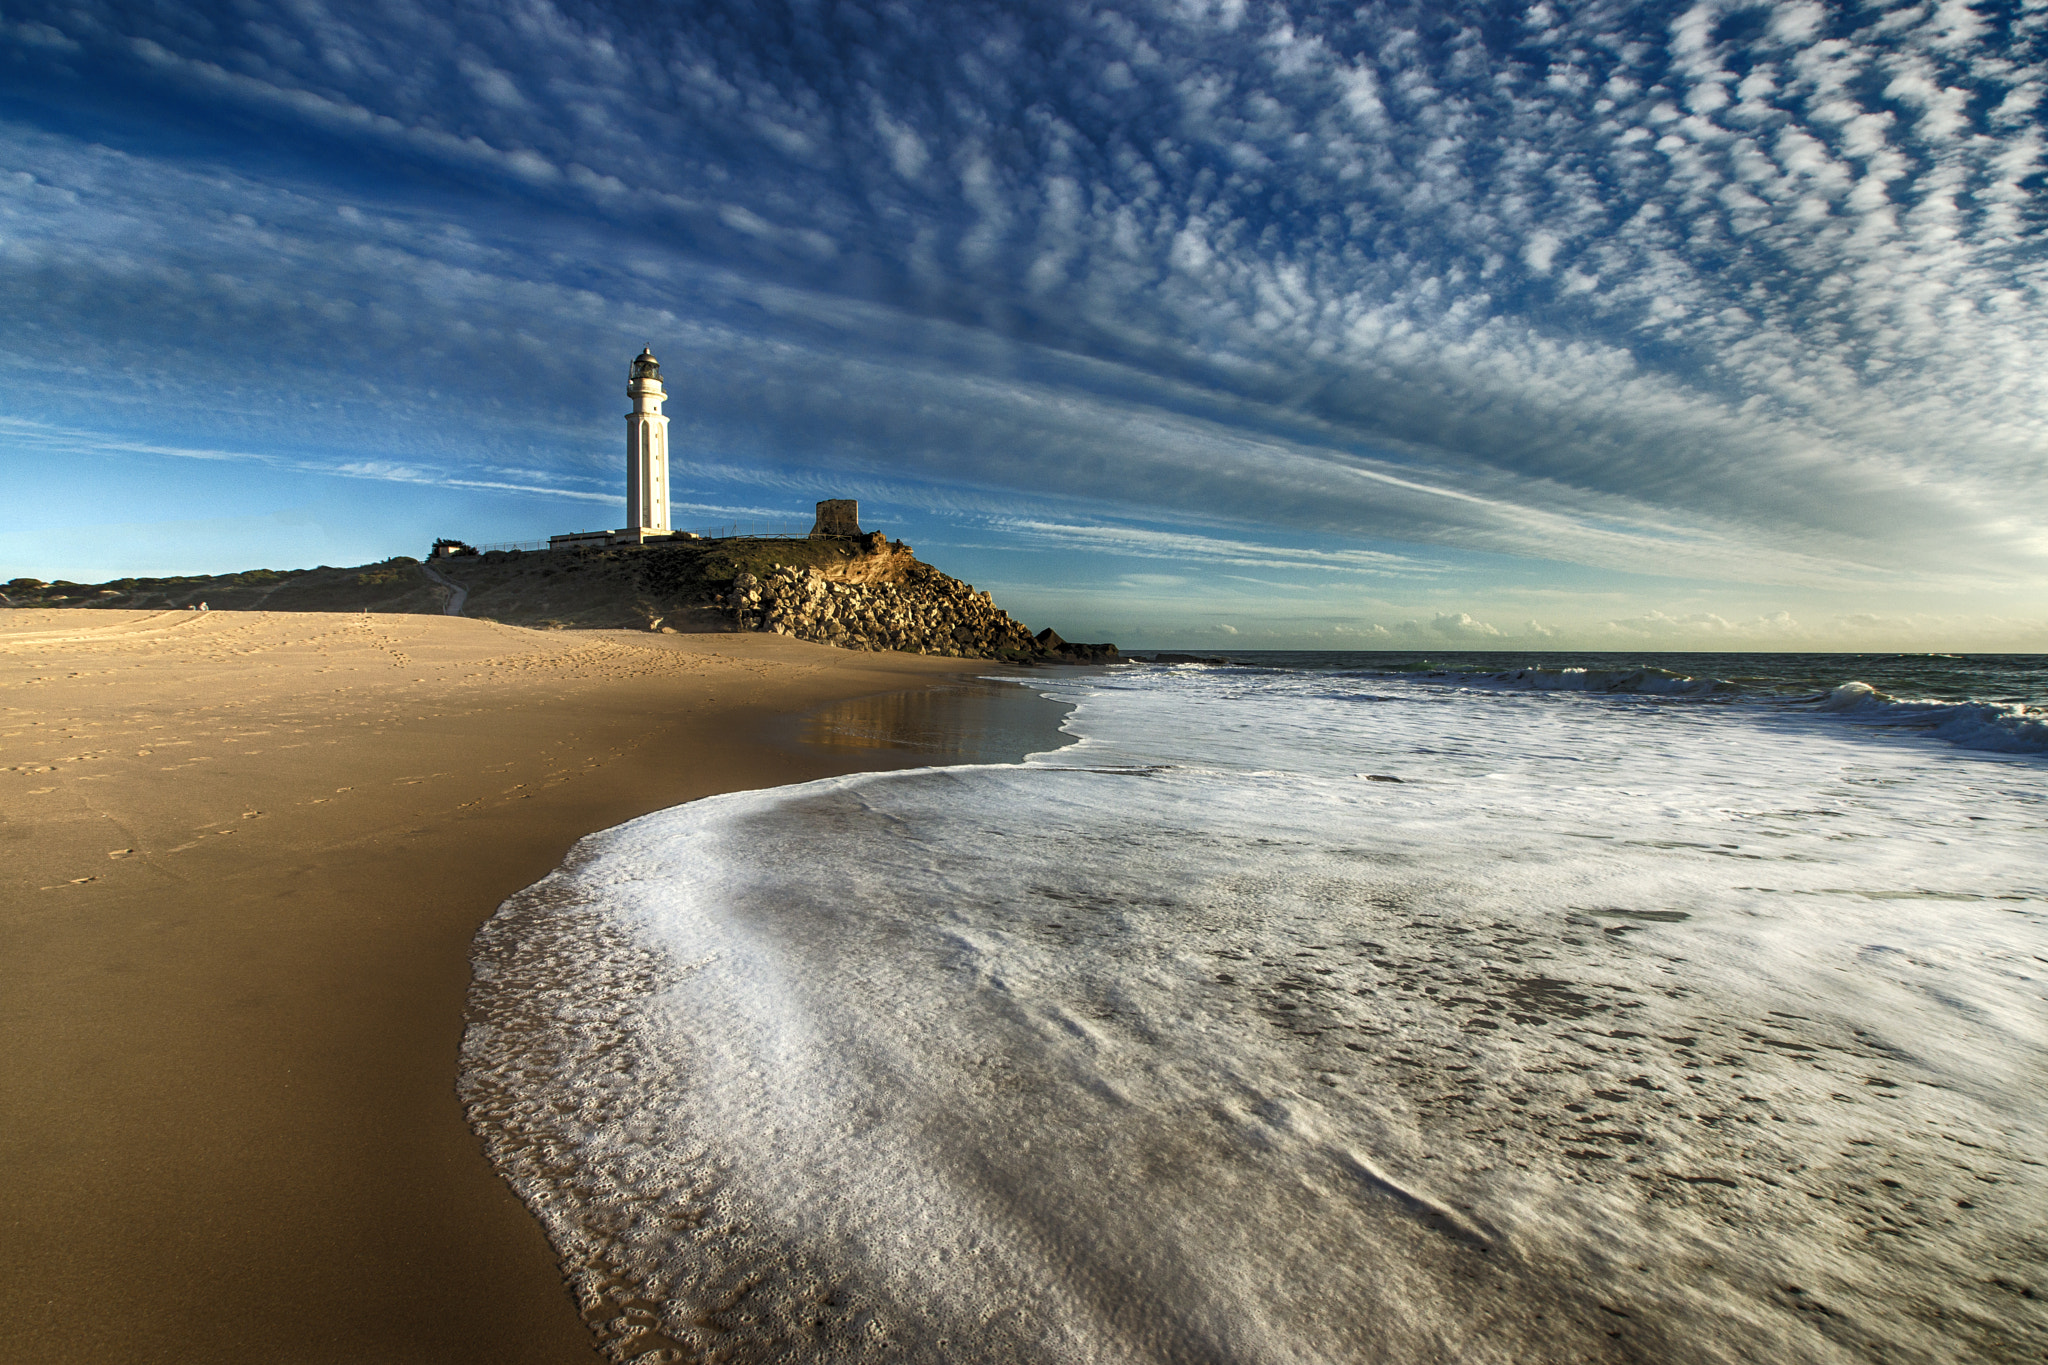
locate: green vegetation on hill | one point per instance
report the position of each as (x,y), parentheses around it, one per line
(396,585)
(620,586)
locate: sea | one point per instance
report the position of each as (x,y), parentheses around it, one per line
(1318,1007)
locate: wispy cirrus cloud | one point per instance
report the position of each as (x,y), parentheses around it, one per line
(1724,291)
(1191,545)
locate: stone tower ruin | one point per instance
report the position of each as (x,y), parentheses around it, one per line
(837,517)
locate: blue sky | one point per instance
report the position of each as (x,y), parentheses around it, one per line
(1595,326)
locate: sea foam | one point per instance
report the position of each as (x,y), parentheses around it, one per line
(1290,1018)
(2005,726)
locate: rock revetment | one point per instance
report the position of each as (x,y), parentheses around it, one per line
(922,611)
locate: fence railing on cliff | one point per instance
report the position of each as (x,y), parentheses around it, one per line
(731,530)
(755,530)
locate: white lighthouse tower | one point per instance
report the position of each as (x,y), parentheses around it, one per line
(646,451)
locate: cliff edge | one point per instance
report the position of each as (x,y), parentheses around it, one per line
(873,593)
(855,592)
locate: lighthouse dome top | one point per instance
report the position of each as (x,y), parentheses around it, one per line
(645,366)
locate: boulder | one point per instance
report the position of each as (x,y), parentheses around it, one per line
(884,599)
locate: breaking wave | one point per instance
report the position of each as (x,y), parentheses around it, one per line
(1936,696)
(1996,727)
(1286,1019)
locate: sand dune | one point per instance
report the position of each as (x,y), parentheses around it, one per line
(244,856)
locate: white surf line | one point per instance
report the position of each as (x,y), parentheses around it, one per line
(457,594)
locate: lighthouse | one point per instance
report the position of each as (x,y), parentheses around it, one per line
(646,450)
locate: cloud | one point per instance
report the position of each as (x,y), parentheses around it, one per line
(1630,288)
(492,85)
(49,442)
(1460,626)
(1193,546)
(1655,624)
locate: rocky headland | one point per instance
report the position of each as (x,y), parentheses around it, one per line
(909,606)
(854,592)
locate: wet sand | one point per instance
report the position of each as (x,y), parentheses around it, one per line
(243,857)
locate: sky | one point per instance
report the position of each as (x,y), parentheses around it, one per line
(1192,322)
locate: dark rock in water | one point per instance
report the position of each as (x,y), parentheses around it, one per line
(1060,651)
(1186,659)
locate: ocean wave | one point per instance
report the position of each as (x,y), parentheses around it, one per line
(1651,682)
(1997,727)
(1629,680)
(2011,727)
(1197,1042)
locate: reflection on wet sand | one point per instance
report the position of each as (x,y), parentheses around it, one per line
(980,720)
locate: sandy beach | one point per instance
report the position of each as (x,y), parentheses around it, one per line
(245,855)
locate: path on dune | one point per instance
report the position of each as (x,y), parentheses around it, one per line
(457,594)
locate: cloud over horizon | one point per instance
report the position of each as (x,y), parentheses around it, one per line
(1737,294)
